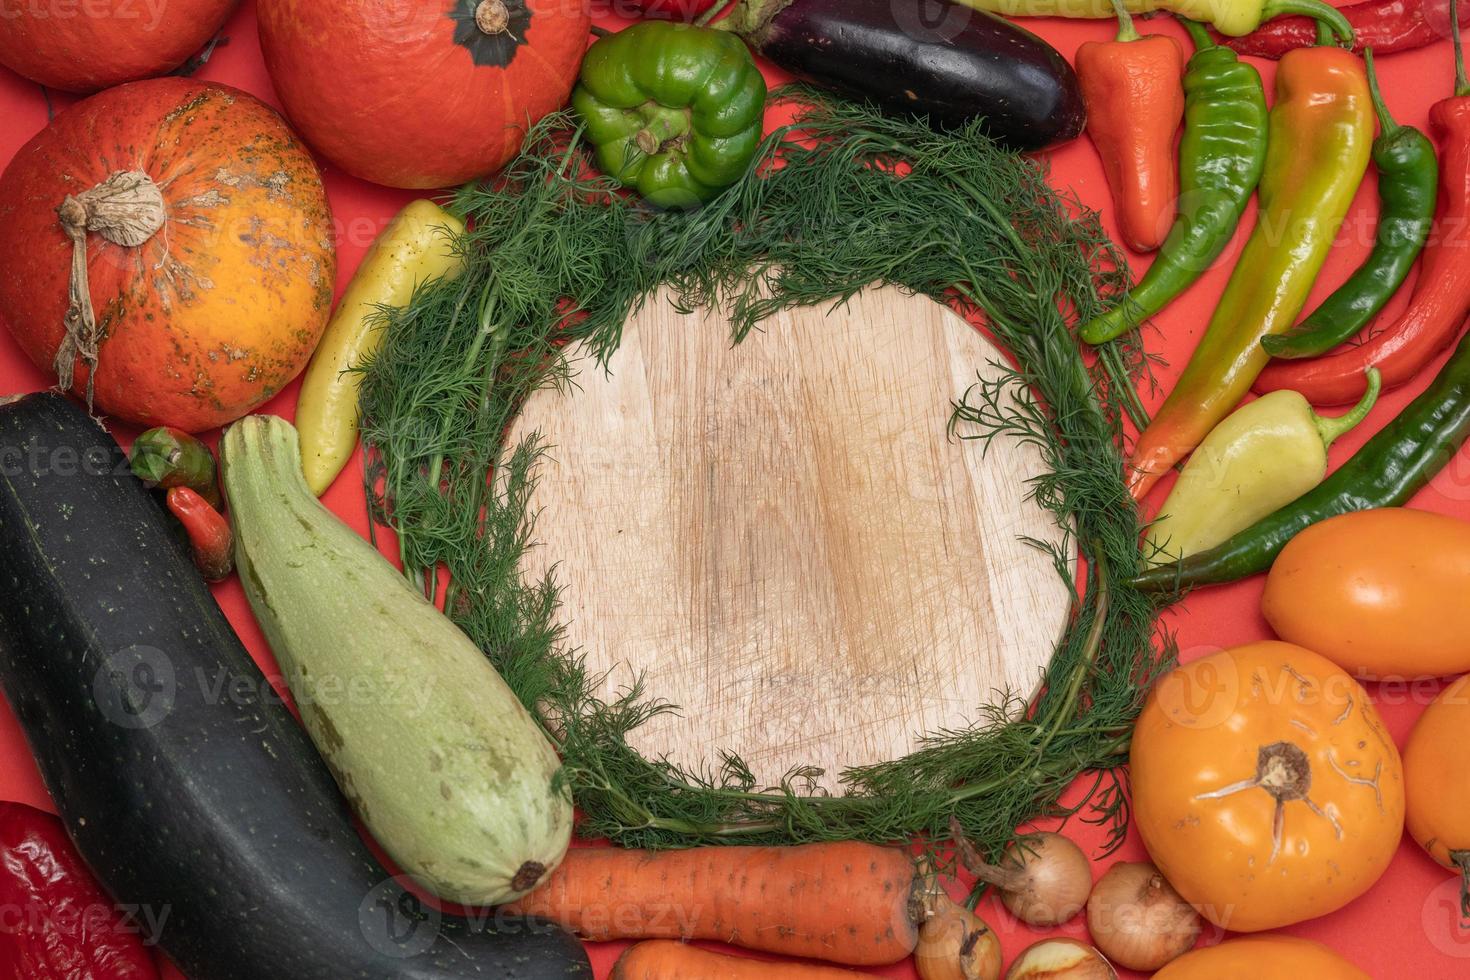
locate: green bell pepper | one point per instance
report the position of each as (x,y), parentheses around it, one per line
(674,111)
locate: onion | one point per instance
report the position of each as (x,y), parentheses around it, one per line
(1137,918)
(955,943)
(1061,959)
(1044,879)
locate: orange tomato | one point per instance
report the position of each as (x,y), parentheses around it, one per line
(1262,958)
(1437,782)
(1265,787)
(1381,593)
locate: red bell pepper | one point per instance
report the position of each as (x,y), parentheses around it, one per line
(55,921)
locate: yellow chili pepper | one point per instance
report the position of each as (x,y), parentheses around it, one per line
(1262,457)
(1230,17)
(419,244)
(1321,135)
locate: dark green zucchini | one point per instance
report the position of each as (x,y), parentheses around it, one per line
(185,782)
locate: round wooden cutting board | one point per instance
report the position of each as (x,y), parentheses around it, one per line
(782,538)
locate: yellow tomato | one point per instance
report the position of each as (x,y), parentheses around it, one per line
(1262,958)
(1381,593)
(1437,781)
(1265,787)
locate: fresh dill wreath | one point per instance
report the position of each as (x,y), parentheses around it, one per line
(840,199)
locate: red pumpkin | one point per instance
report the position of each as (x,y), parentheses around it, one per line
(87,45)
(207,264)
(421,93)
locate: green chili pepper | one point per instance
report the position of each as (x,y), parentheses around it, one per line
(1408,178)
(1387,471)
(167,458)
(675,111)
(1221,155)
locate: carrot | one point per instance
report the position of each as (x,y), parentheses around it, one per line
(848,902)
(664,959)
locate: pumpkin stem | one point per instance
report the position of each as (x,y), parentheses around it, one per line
(492,17)
(127,209)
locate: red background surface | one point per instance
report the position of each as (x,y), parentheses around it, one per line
(1406,926)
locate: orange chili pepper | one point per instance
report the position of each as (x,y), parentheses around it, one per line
(1134,92)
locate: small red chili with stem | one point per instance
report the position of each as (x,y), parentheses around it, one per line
(209,533)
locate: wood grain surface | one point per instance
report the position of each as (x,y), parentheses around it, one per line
(781,536)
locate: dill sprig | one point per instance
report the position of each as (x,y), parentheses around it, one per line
(841,199)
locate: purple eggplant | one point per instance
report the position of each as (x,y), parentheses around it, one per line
(926,58)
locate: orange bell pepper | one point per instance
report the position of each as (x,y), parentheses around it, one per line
(1134,91)
(1320,137)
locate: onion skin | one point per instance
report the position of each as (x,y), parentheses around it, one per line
(956,944)
(1137,918)
(1044,879)
(1061,959)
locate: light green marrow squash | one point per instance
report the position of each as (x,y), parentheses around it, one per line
(436,755)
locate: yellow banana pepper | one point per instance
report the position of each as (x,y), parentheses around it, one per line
(419,244)
(1261,458)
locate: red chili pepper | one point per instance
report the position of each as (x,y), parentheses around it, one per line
(57,923)
(1385,26)
(209,533)
(1440,303)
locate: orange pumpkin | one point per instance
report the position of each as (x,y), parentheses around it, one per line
(1380,593)
(87,45)
(421,93)
(1437,782)
(1265,787)
(202,229)
(1262,958)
